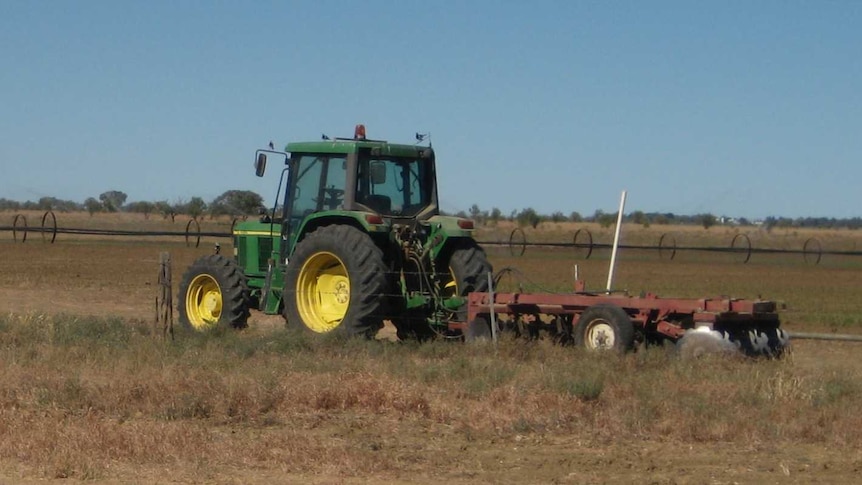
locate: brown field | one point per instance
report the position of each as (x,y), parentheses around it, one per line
(87,392)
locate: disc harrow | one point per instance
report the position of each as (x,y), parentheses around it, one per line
(617,321)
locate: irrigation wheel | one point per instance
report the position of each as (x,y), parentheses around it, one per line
(605,327)
(213,292)
(336,282)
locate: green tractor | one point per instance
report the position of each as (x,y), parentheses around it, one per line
(359,241)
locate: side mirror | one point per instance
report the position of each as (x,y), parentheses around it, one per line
(378,172)
(260,164)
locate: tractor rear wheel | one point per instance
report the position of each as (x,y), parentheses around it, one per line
(213,292)
(462,269)
(468,271)
(478,330)
(605,327)
(336,282)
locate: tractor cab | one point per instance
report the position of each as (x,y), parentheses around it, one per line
(355,175)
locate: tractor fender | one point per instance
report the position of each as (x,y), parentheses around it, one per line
(365,221)
(448,231)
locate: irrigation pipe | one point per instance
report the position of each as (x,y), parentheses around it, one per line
(825,336)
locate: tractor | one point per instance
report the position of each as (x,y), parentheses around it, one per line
(357,239)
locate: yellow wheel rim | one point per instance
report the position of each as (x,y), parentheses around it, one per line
(450,288)
(203,302)
(323,292)
(599,335)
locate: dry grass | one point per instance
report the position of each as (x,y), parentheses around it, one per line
(80,395)
(86,392)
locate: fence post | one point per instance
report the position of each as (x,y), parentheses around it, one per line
(164,299)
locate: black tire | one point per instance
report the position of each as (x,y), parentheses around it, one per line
(357,296)
(478,330)
(468,268)
(463,268)
(213,292)
(605,327)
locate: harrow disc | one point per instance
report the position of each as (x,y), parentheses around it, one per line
(702,341)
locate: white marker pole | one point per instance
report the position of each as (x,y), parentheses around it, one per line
(616,242)
(493,316)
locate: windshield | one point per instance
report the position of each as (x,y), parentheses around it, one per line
(399,187)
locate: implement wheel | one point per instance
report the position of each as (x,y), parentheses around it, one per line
(336,282)
(605,327)
(213,292)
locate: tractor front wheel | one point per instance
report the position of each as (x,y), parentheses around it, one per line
(213,292)
(336,282)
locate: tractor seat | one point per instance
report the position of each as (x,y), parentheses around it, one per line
(379,203)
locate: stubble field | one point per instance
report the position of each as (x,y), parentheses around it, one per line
(88,392)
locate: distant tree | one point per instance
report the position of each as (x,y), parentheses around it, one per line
(164,208)
(141,207)
(47,203)
(575,216)
(528,217)
(195,207)
(66,205)
(236,202)
(6,204)
(606,220)
(113,200)
(638,217)
(558,217)
(476,213)
(92,205)
(707,220)
(495,215)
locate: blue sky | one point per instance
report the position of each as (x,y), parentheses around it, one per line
(736,108)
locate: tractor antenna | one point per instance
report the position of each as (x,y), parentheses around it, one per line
(420,137)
